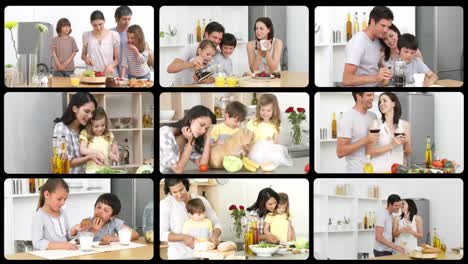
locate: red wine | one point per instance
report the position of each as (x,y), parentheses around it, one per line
(374,130)
(398,134)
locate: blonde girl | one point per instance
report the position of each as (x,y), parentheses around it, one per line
(279,222)
(96,138)
(135,55)
(267,123)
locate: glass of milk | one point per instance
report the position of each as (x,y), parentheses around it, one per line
(125,235)
(86,241)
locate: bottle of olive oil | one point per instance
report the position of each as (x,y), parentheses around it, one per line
(199,34)
(349,28)
(368,167)
(428,152)
(364,21)
(356,24)
(333,124)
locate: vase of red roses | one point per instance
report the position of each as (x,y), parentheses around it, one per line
(237,214)
(295,118)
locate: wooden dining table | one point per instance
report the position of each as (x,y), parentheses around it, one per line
(140,253)
(64,82)
(288,79)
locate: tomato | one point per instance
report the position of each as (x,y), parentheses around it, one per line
(394,168)
(307,168)
(437,164)
(203,168)
(443,161)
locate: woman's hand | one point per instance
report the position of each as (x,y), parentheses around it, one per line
(403,138)
(88,61)
(214,240)
(270,238)
(109,69)
(187,133)
(69,246)
(396,142)
(189,241)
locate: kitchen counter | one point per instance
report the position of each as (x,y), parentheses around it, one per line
(296,168)
(443,83)
(447,256)
(66,83)
(133,253)
(288,79)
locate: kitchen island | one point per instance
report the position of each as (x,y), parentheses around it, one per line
(446,256)
(288,79)
(297,168)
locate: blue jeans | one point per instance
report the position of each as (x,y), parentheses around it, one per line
(147,76)
(63,73)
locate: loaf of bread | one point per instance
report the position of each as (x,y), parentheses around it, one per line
(431,250)
(227,246)
(203,246)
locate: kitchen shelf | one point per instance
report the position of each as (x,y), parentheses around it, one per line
(129,104)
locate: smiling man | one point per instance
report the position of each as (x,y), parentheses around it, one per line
(123,15)
(363,52)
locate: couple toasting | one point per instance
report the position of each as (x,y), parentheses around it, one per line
(398,227)
(391,144)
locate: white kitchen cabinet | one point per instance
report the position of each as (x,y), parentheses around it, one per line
(328,243)
(19,208)
(329,56)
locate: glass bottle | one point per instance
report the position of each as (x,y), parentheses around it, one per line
(198,30)
(126,153)
(148,222)
(333,124)
(428,152)
(32,185)
(254,99)
(349,28)
(364,21)
(147,120)
(356,23)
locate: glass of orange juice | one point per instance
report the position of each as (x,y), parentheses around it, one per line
(219,81)
(231,81)
(75,80)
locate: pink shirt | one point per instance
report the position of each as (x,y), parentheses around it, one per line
(101,51)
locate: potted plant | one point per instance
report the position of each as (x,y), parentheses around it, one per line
(295,118)
(10,68)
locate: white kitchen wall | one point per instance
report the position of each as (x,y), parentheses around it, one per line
(445,197)
(245,192)
(29,114)
(79,17)
(449,126)
(297,33)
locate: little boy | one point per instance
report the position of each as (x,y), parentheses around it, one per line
(227,45)
(234,114)
(408,45)
(105,225)
(198,225)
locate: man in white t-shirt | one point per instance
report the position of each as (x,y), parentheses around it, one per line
(362,54)
(383,228)
(184,65)
(353,132)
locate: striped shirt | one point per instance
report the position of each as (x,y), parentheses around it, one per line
(136,63)
(73,145)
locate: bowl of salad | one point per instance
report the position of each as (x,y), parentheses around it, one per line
(264,249)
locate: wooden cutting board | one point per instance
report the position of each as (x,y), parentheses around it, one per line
(213,254)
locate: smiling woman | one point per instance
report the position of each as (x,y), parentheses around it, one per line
(67,128)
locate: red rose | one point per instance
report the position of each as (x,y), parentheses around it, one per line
(241,207)
(232,207)
(301,110)
(290,109)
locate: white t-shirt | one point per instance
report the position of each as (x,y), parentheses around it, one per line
(355,125)
(415,66)
(364,53)
(384,219)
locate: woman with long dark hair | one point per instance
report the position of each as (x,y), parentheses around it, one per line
(186,140)
(74,119)
(265,51)
(267,201)
(394,135)
(390,50)
(409,227)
